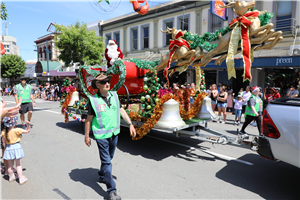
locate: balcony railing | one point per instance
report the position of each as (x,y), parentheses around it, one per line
(286,24)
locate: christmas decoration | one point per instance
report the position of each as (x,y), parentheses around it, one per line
(112,53)
(142,10)
(69,114)
(107,1)
(158,110)
(67,92)
(2,49)
(193,53)
(118,68)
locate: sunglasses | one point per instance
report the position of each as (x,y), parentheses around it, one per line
(22,79)
(104,82)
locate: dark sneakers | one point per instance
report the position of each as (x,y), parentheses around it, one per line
(243,135)
(101,180)
(113,196)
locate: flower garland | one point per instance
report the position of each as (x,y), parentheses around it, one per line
(69,114)
(158,110)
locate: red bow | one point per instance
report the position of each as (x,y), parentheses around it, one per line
(245,23)
(172,47)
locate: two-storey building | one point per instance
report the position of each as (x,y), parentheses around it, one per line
(141,37)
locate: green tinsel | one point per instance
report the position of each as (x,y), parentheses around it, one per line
(203,41)
(265,18)
(118,68)
(144,64)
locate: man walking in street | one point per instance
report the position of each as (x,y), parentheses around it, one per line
(104,115)
(24,96)
(253,111)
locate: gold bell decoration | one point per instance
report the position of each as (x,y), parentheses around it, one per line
(170,117)
(206,111)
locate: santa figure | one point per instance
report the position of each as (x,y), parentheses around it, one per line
(112,53)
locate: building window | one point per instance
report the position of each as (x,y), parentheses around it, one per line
(117,38)
(145,32)
(184,23)
(7,50)
(108,37)
(284,16)
(41,54)
(7,46)
(216,23)
(134,36)
(168,37)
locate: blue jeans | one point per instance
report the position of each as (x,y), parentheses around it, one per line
(106,151)
(238,113)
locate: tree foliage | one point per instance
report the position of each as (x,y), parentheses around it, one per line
(12,66)
(79,45)
(3,11)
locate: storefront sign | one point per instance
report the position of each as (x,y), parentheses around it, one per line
(284,61)
(290,61)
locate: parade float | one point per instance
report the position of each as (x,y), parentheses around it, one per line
(137,84)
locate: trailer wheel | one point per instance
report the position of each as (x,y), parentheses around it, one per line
(127,95)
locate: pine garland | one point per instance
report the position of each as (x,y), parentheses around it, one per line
(144,64)
(204,41)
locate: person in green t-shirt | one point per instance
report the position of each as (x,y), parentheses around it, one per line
(253,111)
(23,94)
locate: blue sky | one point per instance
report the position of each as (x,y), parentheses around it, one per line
(29,20)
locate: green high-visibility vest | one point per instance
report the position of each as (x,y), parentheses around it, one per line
(24,92)
(258,105)
(106,123)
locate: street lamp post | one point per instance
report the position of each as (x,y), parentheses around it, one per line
(47,54)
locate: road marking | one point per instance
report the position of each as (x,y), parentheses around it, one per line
(38,108)
(10,102)
(51,111)
(208,152)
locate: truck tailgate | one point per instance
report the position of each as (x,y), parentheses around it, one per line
(287,120)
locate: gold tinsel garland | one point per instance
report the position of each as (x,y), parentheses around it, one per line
(158,110)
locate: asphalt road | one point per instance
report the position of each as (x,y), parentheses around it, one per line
(59,165)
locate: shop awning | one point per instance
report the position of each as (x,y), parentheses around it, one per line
(41,66)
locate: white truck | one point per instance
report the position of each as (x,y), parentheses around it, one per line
(281,131)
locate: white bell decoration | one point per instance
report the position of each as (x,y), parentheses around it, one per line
(145,79)
(75,97)
(147,96)
(170,117)
(206,111)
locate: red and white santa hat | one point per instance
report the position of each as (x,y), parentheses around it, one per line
(255,89)
(112,41)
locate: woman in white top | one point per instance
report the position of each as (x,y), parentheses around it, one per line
(246,95)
